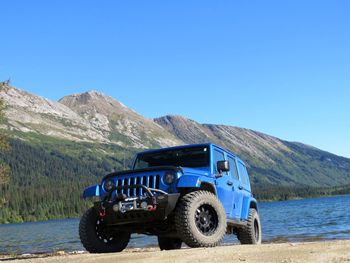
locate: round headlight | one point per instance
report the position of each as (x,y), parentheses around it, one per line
(109,185)
(169,177)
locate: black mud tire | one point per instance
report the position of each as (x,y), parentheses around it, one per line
(169,243)
(93,237)
(251,233)
(189,212)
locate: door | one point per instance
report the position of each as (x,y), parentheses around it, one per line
(223,183)
(244,182)
(236,189)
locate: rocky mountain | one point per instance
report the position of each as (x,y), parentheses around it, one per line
(88,117)
(272,161)
(93,117)
(241,140)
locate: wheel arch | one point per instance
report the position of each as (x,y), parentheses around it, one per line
(190,183)
(205,186)
(208,187)
(253,204)
(248,202)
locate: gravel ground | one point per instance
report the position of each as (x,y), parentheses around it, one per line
(326,251)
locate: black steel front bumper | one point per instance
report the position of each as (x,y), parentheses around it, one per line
(117,209)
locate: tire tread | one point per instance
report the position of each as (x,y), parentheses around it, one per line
(89,239)
(182,219)
(246,234)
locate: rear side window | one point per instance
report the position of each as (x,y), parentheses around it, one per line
(217,156)
(233,168)
(243,173)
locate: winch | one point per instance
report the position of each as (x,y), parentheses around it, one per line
(135,203)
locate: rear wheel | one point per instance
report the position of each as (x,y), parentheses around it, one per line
(251,233)
(169,243)
(97,238)
(200,219)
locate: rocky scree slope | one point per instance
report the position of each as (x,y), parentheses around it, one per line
(86,117)
(93,117)
(271,161)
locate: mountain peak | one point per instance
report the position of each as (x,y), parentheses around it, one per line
(93,99)
(85,97)
(95,92)
(116,120)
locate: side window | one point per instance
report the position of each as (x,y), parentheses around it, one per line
(233,168)
(218,156)
(243,173)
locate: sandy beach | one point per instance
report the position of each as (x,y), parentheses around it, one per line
(325,251)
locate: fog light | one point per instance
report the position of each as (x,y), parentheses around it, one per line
(116,208)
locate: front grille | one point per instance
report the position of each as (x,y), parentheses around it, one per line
(151,181)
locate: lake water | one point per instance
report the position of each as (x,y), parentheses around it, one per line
(296,220)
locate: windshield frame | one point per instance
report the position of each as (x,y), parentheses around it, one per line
(174,149)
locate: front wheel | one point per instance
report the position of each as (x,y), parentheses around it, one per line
(97,238)
(200,219)
(251,233)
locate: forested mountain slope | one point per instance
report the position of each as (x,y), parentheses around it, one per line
(58,148)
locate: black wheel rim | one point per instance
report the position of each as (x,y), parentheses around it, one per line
(256,230)
(206,219)
(101,232)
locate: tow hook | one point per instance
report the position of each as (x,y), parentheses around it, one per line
(153,207)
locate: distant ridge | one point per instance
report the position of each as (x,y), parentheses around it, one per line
(99,119)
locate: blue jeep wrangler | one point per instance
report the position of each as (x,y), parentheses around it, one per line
(192,194)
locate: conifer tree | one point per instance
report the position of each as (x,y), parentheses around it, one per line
(4,146)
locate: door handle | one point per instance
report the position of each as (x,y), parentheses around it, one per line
(240,187)
(229,183)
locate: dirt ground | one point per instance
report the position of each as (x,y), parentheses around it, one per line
(327,251)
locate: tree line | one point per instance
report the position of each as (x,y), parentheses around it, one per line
(282,193)
(46,183)
(45,180)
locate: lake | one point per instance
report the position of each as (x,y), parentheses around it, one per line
(295,221)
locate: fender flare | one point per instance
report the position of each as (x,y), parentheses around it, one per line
(92,191)
(248,202)
(197,181)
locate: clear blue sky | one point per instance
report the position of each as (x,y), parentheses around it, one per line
(279,67)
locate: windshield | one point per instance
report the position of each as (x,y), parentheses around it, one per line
(184,157)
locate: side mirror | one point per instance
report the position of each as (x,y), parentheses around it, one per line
(223,166)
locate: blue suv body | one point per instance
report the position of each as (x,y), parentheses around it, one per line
(193,194)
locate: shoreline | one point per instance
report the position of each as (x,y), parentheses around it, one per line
(296,198)
(321,251)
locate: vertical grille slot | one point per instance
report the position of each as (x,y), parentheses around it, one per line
(125,182)
(119,183)
(157,181)
(151,181)
(138,190)
(132,182)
